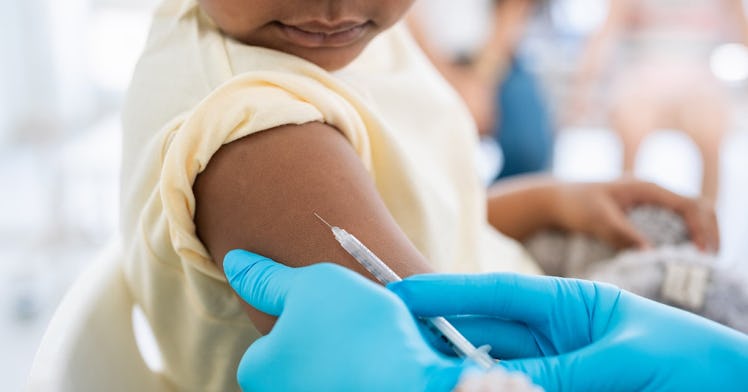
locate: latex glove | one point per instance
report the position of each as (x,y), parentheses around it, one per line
(586,336)
(337,331)
(599,209)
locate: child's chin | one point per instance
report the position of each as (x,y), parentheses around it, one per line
(332,59)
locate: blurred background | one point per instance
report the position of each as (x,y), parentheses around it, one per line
(66,66)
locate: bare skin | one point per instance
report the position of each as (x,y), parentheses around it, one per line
(329,33)
(242,204)
(519,207)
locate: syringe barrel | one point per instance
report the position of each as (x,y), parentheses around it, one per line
(365,257)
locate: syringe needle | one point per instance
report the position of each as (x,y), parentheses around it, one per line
(323,221)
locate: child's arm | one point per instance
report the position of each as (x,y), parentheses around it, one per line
(260,193)
(510,19)
(519,207)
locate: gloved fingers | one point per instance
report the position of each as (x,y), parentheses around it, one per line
(509,296)
(596,367)
(252,365)
(259,281)
(508,339)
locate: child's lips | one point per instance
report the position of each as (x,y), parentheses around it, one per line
(318,37)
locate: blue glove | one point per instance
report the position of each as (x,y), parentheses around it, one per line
(585,336)
(337,331)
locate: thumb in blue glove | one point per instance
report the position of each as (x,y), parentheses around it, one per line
(336,331)
(587,336)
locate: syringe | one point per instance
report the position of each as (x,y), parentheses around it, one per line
(385,275)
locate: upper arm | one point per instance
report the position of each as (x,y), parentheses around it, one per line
(260,193)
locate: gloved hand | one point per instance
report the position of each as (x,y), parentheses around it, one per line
(337,331)
(584,336)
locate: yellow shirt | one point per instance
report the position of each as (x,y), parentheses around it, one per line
(195,89)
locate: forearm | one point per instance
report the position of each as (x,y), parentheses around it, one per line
(519,207)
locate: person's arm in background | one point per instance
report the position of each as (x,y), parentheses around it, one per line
(260,193)
(521,206)
(477,93)
(596,55)
(478,81)
(509,20)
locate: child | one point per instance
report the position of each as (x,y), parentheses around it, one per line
(244,118)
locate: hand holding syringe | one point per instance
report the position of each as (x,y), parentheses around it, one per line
(385,275)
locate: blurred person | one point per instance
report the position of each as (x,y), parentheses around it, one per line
(662,77)
(479,56)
